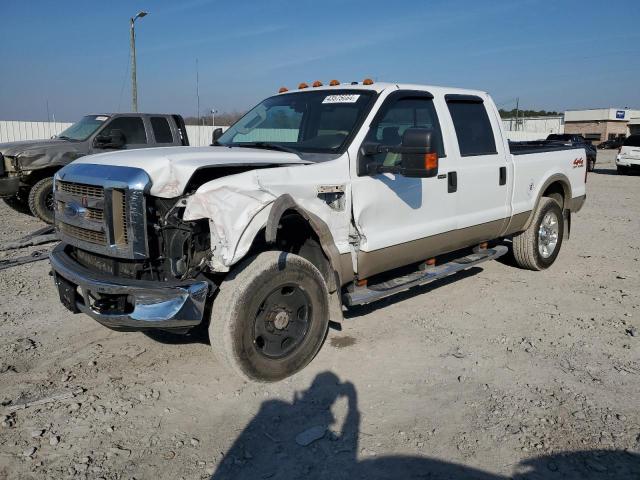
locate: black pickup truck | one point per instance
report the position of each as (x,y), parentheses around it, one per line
(27,167)
(577,141)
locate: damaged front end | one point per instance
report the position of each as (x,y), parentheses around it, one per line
(127,258)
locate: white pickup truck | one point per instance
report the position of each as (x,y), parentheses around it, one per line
(318,199)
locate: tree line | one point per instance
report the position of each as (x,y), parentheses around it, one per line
(526,113)
(221,119)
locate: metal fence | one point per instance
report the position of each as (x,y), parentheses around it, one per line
(13,131)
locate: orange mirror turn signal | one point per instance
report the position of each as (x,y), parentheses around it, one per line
(430,161)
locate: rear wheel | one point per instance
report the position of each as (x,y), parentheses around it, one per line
(270,316)
(41,200)
(538,246)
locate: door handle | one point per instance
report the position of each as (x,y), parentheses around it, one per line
(503,175)
(452,182)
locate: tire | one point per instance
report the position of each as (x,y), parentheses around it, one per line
(41,200)
(270,316)
(534,249)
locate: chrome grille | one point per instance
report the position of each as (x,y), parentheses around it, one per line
(94,214)
(84,234)
(80,189)
(102,209)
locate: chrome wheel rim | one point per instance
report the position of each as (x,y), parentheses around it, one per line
(548,234)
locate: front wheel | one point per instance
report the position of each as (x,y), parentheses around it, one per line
(538,246)
(270,316)
(41,200)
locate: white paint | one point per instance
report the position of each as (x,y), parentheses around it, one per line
(600,114)
(171,168)
(387,209)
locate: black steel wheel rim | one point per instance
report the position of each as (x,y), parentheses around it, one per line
(49,201)
(282,321)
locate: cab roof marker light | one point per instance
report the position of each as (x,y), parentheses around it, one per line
(367,81)
(283,89)
(333,83)
(317,83)
(303,85)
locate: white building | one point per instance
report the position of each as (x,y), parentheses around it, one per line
(542,125)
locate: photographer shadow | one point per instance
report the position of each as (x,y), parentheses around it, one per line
(300,440)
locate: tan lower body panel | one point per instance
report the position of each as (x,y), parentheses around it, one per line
(517,223)
(384,259)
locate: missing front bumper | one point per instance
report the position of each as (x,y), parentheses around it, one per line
(123,304)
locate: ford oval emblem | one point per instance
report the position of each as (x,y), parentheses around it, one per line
(73,210)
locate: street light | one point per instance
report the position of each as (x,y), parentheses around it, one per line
(213,112)
(134,84)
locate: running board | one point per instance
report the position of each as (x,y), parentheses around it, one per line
(371,293)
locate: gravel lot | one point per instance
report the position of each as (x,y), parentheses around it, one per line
(503,373)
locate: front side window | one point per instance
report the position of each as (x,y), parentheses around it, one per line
(84,128)
(161,130)
(632,141)
(131,127)
(473,128)
(314,121)
(400,115)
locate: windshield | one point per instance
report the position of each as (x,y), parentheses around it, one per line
(318,122)
(84,128)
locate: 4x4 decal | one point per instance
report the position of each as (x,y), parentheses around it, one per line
(578,163)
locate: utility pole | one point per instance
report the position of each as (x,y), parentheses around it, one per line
(517,111)
(134,83)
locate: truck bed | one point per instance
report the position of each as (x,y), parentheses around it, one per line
(539,146)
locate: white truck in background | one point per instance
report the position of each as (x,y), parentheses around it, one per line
(316,200)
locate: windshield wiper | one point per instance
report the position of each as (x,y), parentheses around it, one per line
(64,137)
(268,146)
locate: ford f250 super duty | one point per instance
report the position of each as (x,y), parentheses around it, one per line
(316,200)
(27,167)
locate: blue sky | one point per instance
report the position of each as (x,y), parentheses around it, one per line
(552,54)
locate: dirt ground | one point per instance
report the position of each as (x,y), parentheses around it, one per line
(497,373)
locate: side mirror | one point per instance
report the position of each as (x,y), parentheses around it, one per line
(217,133)
(418,158)
(115,139)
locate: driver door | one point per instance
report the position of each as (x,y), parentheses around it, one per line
(133,129)
(401,220)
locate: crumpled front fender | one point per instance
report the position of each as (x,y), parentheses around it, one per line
(230,204)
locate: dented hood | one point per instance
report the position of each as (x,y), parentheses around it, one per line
(35,154)
(171,168)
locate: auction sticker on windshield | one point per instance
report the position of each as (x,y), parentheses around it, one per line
(341,99)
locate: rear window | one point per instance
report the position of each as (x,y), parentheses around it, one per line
(473,128)
(161,130)
(632,141)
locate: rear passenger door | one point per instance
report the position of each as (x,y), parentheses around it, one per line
(478,168)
